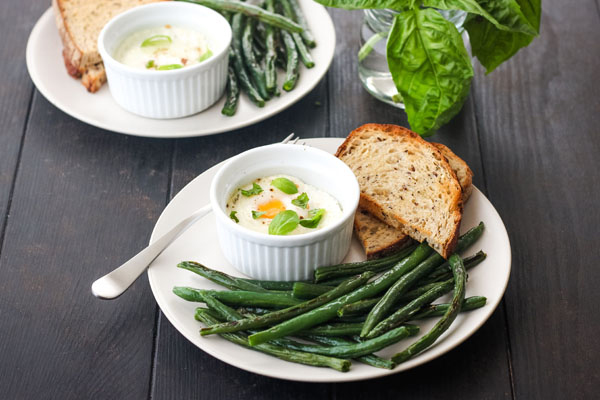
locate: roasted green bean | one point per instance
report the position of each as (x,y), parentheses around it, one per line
(221,278)
(328,311)
(458,270)
(249,10)
(316,360)
(256,72)
(406,281)
(290,312)
(239,297)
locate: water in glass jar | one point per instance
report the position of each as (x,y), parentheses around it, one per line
(373,69)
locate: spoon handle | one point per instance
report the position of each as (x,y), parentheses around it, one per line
(113,284)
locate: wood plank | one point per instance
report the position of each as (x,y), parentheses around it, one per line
(85,200)
(350,104)
(467,372)
(307,118)
(182,370)
(539,118)
(15,92)
(486,351)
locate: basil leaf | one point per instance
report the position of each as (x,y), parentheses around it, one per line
(399,5)
(314,217)
(505,15)
(157,40)
(301,201)
(430,67)
(492,46)
(283,223)
(285,185)
(256,189)
(208,54)
(257,214)
(532,10)
(233,216)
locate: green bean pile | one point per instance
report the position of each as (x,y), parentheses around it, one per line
(349,312)
(273,35)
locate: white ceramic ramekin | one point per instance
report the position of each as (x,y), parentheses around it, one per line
(293,257)
(167,94)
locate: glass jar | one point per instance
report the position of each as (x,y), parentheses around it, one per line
(373,69)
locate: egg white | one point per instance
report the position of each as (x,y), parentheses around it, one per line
(186,44)
(317,198)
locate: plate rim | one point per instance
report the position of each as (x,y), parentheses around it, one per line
(260,115)
(419,360)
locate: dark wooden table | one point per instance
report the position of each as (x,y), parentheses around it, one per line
(76,201)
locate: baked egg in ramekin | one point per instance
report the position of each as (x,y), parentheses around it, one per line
(281,253)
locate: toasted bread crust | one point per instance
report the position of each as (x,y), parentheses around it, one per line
(460,167)
(81,62)
(71,69)
(71,53)
(393,218)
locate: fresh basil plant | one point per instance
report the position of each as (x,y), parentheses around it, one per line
(427,57)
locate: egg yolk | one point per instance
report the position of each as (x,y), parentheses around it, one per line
(271,208)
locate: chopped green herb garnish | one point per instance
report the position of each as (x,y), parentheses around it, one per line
(256,189)
(301,201)
(314,217)
(150,64)
(208,54)
(157,40)
(169,66)
(284,222)
(233,217)
(258,214)
(285,185)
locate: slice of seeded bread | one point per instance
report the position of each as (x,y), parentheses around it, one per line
(379,239)
(79,23)
(406,182)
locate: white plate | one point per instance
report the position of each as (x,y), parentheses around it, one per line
(200,244)
(48,73)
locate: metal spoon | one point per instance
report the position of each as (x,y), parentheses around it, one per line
(115,283)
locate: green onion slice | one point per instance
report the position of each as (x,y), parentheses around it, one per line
(169,66)
(157,40)
(208,54)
